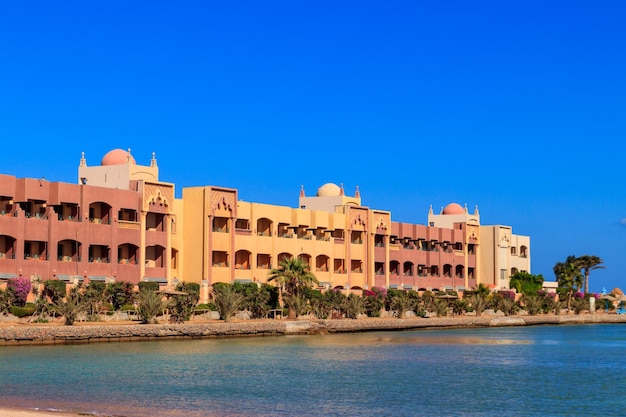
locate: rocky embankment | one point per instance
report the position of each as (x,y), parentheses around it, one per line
(16,334)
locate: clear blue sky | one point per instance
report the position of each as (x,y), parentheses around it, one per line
(515,106)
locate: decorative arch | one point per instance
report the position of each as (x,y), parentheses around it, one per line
(157,195)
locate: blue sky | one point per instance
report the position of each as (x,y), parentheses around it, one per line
(517,107)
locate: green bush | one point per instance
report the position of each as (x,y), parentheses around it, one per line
(108,307)
(55,289)
(20,312)
(148,286)
(209,306)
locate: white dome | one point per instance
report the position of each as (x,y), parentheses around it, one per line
(329,190)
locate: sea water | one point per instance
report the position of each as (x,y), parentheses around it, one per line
(576,370)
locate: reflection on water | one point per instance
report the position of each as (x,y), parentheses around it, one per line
(461,372)
(453,340)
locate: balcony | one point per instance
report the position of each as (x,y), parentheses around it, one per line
(67,258)
(63,218)
(35,257)
(30,215)
(98,260)
(125,224)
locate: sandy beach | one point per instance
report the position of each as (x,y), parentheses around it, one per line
(14,412)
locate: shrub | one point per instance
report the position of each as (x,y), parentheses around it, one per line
(19,288)
(54,289)
(182,305)
(20,312)
(374,301)
(120,293)
(532,304)
(507,294)
(320,304)
(148,286)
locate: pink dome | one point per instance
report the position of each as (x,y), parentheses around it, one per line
(118,157)
(453,208)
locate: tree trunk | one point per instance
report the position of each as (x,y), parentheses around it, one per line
(569,302)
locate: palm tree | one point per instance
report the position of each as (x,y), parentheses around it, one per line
(292,276)
(569,277)
(150,305)
(227,300)
(354,305)
(71,307)
(588,263)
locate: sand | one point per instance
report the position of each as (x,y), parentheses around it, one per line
(14,412)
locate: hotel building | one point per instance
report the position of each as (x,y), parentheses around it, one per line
(119,222)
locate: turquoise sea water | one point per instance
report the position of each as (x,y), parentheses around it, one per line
(508,371)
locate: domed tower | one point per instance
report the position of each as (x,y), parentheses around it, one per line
(453,213)
(328,197)
(116,170)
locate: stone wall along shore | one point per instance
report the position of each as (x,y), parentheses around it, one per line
(56,334)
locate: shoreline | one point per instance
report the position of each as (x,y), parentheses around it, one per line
(27,412)
(22,334)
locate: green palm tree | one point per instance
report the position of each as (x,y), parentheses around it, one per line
(588,263)
(227,300)
(354,305)
(569,277)
(292,276)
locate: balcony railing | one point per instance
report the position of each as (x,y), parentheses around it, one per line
(67,258)
(68,218)
(99,221)
(35,256)
(125,224)
(30,215)
(98,260)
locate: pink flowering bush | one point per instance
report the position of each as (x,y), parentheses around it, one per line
(374,301)
(508,294)
(19,288)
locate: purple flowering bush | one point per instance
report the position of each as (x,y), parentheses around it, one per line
(19,288)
